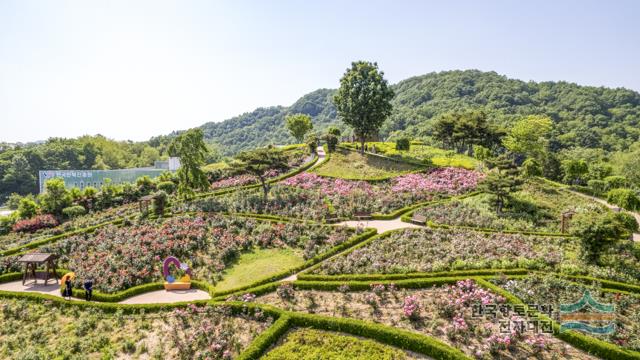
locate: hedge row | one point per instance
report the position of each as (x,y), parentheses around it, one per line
(263,342)
(416,275)
(487,230)
(366,285)
(581,341)
(38,243)
(391,158)
(606,284)
(385,334)
(309,263)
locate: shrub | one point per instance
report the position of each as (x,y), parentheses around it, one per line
(167,186)
(27,208)
(286,292)
(597,186)
(332,142)
(35,223)
(411,307)
(625,198)
(6,223)
(597,232)
(531,168)
(312,142)
(615,182)
(74,211)
(403,144)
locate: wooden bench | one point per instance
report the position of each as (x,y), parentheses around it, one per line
(332,219)
(419,219)
(361,215)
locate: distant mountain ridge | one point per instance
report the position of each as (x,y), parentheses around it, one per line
(587,116)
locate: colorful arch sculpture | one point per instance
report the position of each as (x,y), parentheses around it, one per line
(170,281)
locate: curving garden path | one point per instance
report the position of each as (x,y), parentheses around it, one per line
(380,225)
(152,297)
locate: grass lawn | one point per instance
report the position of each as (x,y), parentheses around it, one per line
(314,344)
(352,165)
(257,265)
(438,157)
(221,165)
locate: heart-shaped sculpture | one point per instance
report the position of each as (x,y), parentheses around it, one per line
(173,260)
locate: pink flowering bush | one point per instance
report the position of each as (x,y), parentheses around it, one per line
(411,307)
(35,223)
(448,180)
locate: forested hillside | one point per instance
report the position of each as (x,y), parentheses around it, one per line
(593,124)
(584,116)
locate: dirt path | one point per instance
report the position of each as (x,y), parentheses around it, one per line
(636,236)
(153,297)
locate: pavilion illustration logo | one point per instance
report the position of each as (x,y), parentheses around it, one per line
(599,321)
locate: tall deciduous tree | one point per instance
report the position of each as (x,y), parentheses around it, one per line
(363,99)
(192,150)
(530,137)
(299,125)
(260,161)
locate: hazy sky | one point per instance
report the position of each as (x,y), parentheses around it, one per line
(134,69)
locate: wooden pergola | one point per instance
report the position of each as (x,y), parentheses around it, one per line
(144,202)
(33,261)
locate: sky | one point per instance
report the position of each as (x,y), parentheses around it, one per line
(135,69)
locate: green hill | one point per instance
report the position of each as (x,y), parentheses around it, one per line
(586,116)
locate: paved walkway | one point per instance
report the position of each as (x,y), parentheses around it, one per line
(52,289)
(636,236)
(321,157)
(380,225)
(167,297)
(153,297)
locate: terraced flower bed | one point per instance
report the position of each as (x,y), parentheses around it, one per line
(314,197)
(537,207)
(553,290)
(122,257)
(36,330)
(431,250)
(445,313)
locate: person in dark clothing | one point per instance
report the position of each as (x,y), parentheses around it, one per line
(88,289)
(67,288)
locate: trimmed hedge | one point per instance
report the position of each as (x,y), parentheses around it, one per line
(410,208)
(486,230)
(263,342)
(366,285)
(368,233)
(385,334)
(606,284)
(406,276)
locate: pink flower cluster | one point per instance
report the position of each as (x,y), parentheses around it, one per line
(238,180)
(411,307)
(446,180)
(328,186)
(466,292)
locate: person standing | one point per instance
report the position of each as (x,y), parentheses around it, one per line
(88,289)
(67,288)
